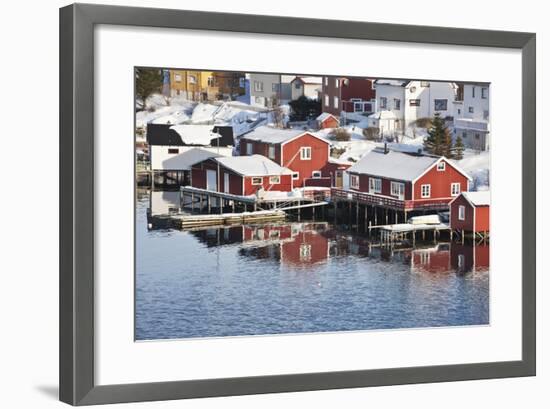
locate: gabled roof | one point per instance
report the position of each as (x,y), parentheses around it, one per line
(272,135)
(200,135)
(188,158)
(324,116)
(309,80)
(397,165)
(481,198)
(253,165)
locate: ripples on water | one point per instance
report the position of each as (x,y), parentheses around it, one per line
(298,278)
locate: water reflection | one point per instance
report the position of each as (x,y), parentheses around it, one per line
(297,277)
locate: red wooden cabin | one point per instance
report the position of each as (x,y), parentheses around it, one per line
(306,154)
(470,212)
(404,181)
(241,175)
(326,121)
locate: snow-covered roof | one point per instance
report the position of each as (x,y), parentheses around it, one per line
(324,116)
(393,165)
(383,115)
(310,80)
(270,134)
(253,165)
(395,83)
(188,158)
(482,198)
(195,134)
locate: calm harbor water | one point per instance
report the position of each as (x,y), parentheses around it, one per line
(297,278)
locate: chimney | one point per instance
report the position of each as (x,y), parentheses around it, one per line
(386,150)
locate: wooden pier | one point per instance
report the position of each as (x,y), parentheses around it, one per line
(393,234)
(189,221)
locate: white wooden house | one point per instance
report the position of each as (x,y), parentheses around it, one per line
(471,122)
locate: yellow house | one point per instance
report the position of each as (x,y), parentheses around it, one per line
(195,85)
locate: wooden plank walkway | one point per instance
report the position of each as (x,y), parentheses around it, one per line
(183,221)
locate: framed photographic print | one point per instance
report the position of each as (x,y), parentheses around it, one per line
(257,204)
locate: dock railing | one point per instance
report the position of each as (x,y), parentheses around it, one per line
(389,202)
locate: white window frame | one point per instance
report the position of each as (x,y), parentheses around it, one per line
(383,103)
(436,100)
(249,148)
(274,180)
(424,194)
(354,181)
(271,152)
(258,86)
(397,104)
(303,155)
(396,187)
(316,174)
(375,185)
(337,83)
(255,182)
(441,168)
(470,110)
(326,81)
(336,102)
(327,100)
(455,189)
(461,212)
(295,175)
(484,92)
(177,77)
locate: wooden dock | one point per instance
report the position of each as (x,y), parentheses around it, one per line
(184,221)
(393,234)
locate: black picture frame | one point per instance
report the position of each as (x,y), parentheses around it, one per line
(77,385)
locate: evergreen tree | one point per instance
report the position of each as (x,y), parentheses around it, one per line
(439,140)
(148,81)
(458,148)
(304,108)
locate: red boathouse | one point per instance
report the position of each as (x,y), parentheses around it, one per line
(404,181)
(304,153)
(470,212)
(239,175)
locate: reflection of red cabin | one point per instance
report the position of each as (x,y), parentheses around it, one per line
(406,181)
(470,212)
(432,260)
(306,154)
(307,247)
(469,257)
(240,175)
(326,120)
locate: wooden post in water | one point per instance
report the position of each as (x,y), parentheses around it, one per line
(357,214)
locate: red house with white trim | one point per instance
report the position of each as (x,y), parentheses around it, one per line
(304,153)
(406,181)
(240,175)
(470,212)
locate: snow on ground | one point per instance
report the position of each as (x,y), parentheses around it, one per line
(158,111)
(477,165)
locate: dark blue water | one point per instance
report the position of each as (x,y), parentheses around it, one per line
(297,278)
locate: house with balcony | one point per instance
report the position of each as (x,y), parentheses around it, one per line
(472,124)
(411,100)
(264,89)
(305,153)
(405,181)
(347,94)
(306,87)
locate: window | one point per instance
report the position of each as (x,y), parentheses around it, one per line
(316,174)
(397,104)
(414,102)
(173,150)
(337,83)
(425,191)
(471,110)
(335,102)
(485,114)
(455,189)
(473,92)
(440,104)
(274,180)
(211,81)
(484,93)
(441,166)
(275,87)
(297,85)
(383,103)
(375,185)
(305,153)
(249,148)
(477,136)
(258,86)
(412,90)
(177,77)
(295,175)
(305,252)
(354,181)
(192,79)
(460,262)
(397,189)
(424,84)
(271,152)
(464,135)
(258,181)
(327,101)
(326,81)
(459,111)
(461,212)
